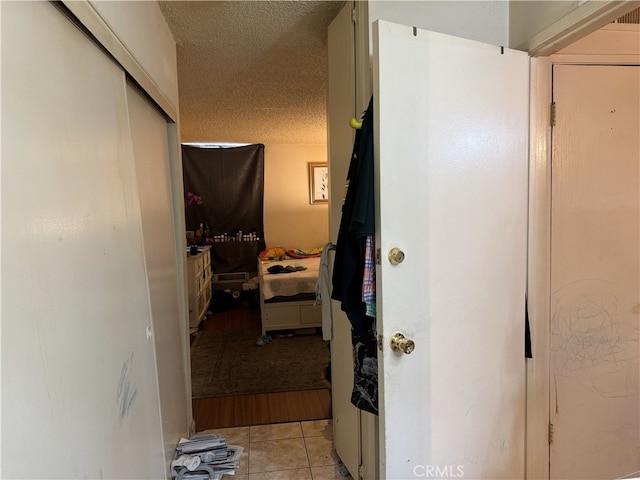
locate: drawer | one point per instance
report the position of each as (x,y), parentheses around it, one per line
(283,317)
(207,293)
(205,275)
(311,315)
(199,282)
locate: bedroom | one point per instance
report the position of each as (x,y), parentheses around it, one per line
(235,104)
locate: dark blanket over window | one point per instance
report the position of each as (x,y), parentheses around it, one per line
(230,182)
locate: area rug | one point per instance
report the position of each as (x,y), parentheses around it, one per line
(228,362)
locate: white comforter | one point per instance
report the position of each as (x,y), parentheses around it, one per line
(288,284)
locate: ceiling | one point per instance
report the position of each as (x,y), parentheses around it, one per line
(251,71)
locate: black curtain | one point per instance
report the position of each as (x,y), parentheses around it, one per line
(230,183)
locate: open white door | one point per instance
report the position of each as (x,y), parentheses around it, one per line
(451,126)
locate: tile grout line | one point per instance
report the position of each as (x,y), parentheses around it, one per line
(249,450)
(304,440)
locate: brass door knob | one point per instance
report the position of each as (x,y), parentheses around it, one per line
(396,256)
(400,343)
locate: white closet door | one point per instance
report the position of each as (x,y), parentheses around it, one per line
(341,104)
(79,384)
(150,146)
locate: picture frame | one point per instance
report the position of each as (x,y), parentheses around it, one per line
(318,183)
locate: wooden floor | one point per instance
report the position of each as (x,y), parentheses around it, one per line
(258,409)
(261,409)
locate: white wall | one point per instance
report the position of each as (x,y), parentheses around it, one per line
(290,221)
(485,21)
(530,17)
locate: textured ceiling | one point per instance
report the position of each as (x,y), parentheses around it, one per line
(252,71)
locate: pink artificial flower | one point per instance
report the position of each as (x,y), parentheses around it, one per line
(193,198)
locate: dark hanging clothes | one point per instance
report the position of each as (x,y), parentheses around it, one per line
(358,222)
(365,381)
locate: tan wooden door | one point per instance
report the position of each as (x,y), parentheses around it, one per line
(595,272)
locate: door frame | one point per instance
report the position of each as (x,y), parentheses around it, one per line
(583,20)
(539,261)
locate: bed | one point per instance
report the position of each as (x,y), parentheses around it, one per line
(287,300)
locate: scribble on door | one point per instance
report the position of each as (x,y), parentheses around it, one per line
(594,340)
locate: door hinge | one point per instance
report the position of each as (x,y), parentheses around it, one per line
(378,257)
(362,470)
(379,336)
(354,15)
(550,433)
(552,114)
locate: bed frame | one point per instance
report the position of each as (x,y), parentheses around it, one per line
(286,313)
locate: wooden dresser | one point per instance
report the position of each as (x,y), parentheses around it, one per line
(199,280)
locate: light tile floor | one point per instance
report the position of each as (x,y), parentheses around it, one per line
(285,451)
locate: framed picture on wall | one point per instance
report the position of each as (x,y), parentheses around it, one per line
(318,183)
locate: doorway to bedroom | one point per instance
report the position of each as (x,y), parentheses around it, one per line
(257,352)
(256,73)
